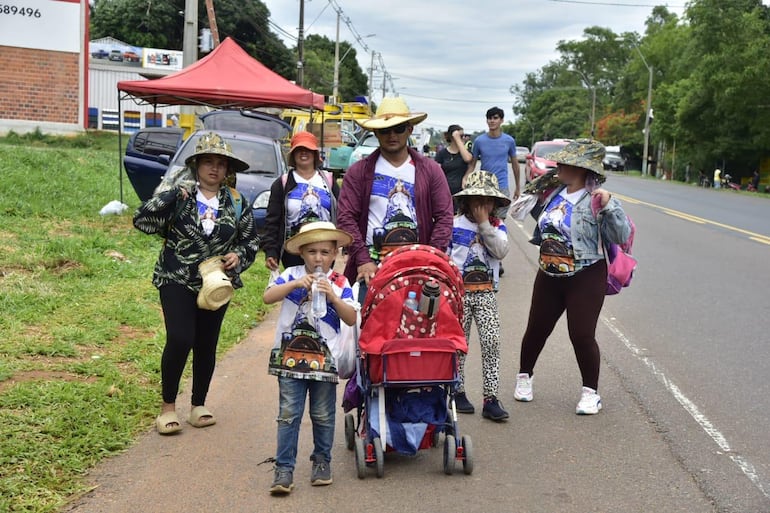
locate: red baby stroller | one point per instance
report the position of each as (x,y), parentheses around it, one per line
(407,370)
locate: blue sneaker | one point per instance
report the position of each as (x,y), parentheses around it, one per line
(321,474)
(493,410)
(462,404)
(283,482)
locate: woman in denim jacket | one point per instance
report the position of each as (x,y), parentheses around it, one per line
(573,271)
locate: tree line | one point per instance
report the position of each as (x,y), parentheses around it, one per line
(710,93)
(247,22)
(709,70)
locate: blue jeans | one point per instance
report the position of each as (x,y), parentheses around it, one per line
(291,406)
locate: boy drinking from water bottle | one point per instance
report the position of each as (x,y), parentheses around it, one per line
(307,350)
(479,243)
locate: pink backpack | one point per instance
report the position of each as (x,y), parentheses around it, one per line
(620,263)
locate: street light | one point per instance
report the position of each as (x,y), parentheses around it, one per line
(645,153)
(593,97)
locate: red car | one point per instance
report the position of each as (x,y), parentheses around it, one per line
(537,164)
(131,57)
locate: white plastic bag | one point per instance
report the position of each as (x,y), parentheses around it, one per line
(113,207)
(344,352)
(523,206)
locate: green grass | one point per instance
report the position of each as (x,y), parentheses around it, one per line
(81,331)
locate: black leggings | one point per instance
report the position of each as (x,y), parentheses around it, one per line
(188,328)
(582,296)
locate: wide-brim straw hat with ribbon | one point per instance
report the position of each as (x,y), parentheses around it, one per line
(212,143)
(217,288)
(392,111)
(304,140)
(585,153)
(318,231)
(484,183)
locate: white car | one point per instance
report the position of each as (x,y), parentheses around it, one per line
(521,154)
(366,146)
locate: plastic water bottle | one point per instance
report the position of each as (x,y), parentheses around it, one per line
(411,301)
(319,297)
(430,298)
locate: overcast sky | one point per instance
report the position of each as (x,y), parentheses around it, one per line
(456,58)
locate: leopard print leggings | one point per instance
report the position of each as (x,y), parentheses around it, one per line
(482,307)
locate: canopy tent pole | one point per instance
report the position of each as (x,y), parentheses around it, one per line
(120,147)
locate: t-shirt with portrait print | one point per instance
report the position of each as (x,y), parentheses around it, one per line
(309,201)
(208,211)
(392,215)
(555,223)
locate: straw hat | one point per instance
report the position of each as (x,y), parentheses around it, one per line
(304,140)
(585,153)
(213,144)
(484,183)
(317,231)
(392,111)
(217,288)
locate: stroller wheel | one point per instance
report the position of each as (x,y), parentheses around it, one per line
(379,456)
(360,457)
(350,431)
(450,454)
(467,446)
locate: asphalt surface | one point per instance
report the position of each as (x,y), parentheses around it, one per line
(544,459)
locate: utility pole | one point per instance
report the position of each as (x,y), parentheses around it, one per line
(336,85)
(212,22)
(189,56)
(300,41)
(593,111)
(645,153)
(384,76)
(190,34)
(371,80)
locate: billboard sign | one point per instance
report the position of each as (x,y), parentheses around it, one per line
(41,24)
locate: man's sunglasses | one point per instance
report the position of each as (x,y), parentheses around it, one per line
(398,129)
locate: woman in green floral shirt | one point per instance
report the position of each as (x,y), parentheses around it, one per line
(200,216)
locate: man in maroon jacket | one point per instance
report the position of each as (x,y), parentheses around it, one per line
(393,197)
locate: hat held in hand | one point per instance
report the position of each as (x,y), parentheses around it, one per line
(217,289)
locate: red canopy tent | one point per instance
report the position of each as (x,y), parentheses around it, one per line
(229,78)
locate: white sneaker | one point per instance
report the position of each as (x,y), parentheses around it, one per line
(590,402)
(523,391)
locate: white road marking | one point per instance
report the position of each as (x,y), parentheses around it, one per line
(743,464)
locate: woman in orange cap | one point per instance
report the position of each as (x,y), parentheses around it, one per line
(305,194)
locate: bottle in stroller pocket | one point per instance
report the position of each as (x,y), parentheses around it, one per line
(414,322)
(429,301)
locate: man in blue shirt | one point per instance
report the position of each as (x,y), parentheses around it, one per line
(496,149)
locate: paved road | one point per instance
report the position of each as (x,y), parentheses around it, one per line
(545,459)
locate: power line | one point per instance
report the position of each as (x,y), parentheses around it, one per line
(444,82)
(456,100)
